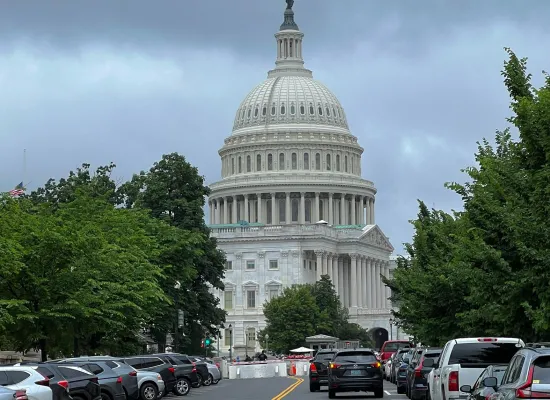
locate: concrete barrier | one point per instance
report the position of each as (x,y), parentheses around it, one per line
(256,370)
(302,367)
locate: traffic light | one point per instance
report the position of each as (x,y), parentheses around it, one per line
(202,343)
(207,341)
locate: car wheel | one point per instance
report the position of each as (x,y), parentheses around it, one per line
(182,387)
(400,390)
(379,393)
(208,381)
(313,387)
(148,391)
(331,394)
(199,381)
(105,396)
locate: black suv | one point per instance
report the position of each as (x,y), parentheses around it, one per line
(527,376)
(355,370)
(318,369)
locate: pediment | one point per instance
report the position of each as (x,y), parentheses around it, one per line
(251,284)
(228,285)
(374,236)
(273,282)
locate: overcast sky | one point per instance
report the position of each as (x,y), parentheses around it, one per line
(129,80)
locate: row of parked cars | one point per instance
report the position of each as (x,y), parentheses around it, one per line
(146,377)
(472,369)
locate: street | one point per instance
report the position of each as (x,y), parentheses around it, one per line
(272,388)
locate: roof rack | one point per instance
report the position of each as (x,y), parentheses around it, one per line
(538,345)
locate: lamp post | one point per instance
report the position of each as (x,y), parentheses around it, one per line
(246,342)
(177,286)
(230,343)
(218,339)
(266,342)
(392,321)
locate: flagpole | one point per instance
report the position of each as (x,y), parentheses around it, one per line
(24,167)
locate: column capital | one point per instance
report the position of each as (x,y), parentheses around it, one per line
(295,253)
(261,254)
(273,194)
(303,194)
(319,253)
(317,194)
(259,195)
(354,256)
(238,256)
(330,194)
(246,196)
(287,194)
(284,253)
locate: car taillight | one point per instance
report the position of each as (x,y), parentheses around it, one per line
(524,391)
(133,373)
(453,381)
(486,339)
(218,365)
(334,365)
(159,378)
(43,382)
(194,368)
(312,367)
(376,364)
(63,384)
(418,370)
(172,369)
(21,395)
(119,379)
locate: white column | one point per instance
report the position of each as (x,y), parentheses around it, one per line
(259,216)
(353,210)
(377,285)
(325,255)
(346,283)
(359,283)
(246,213)
(335,272)
(329,266)
(342,209)
(273,209)
(367,212)
(288,212)
(225,211)
(372,221)
(302,216)
(315,214)
(330,209)
(341,279)
(318,272)
(365,282)
(372,287)
(218,206)
(363,217)
(234,212)
(353,279)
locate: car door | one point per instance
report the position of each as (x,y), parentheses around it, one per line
(477,389)
(507,390)
(437,395)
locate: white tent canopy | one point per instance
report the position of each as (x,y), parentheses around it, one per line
(302,350)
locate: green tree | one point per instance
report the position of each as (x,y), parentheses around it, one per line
(333,317)
(353,331)
(174,192)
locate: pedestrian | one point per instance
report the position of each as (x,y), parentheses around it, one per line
(263,356)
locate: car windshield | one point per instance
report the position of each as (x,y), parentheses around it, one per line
(324,356)
(499,374)
(541,371)
(394,346)
(355,357)
(483,353)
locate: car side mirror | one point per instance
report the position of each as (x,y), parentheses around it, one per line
(429,362)
(490,382)
(466,389)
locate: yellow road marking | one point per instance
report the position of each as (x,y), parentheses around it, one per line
(289,389)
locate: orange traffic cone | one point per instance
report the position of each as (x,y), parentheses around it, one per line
(292,368)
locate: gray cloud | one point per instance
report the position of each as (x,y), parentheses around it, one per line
(128,81)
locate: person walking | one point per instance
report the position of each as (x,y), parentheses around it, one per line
(263,356)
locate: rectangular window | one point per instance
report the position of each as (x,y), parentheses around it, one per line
(250,299)
(273,293)
(228,300)
(273,264)
(227,337)
(229,265)
(250,264)
(251,336)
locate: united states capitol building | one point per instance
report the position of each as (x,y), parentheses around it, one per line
(292,204)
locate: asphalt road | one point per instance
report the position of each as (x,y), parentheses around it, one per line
(272,388)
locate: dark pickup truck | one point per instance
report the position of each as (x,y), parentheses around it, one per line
(318,369)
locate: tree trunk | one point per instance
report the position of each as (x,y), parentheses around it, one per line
(43,350)
(76,347)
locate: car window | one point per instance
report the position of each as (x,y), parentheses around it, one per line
(137,363)
(183,359)
(483,353)
(541,370)
(432,355)
(152,362)
(45,372)
(17,376)
(355,357)
(479,382)
(499,374)
(324,356)
(4,379)
(112,364)
(72,372)
(514,370)
(94,369)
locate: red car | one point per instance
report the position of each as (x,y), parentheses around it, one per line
(391,346)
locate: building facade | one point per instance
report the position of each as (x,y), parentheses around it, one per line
(292,204)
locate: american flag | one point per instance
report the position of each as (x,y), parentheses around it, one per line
(17,191)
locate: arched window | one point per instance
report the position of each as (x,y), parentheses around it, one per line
(345,163)
(249,112)
(302,109)
(273,109)
(283,109)
(292,109)
(308,210)
(248,164)
(311,110)
(320,110)
(281,161)
(256,112)
(328,111)
(295,205)
(338,162)
(232,166)
(318,162)
(328,162)
(306,160)
(270,162)
(240,165)
(294,161)
(264,111)
(258,162)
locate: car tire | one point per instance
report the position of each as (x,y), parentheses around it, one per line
(182,387)
(198,384)
(331,394)
(379,393)
(400,390)
(208,380)
(148,391)
(313,387)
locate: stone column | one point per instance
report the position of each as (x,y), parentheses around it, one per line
(302,216)
(365,282)
(324,270)
(372,221)
(234,210)
(341,279)
(259,216)
(353,280)
(246,216)
(372,287)
(318,271)
(225,211)
(335,272)
(273,209)
(359,283)
(377,284)
(353,210)
(288,212)
(342,209)
(346,283)
(367,208)
(329,266)
(217,214)
(330,209)
(363,218)
(315,214)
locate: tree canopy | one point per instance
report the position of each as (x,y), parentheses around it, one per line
(87,264)
(484,270)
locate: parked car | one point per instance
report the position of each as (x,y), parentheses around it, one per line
(391,346)
(397,361)
(36,385)
(9,394)
(110,382)
(214,369)
(355,370)
(463,360)
(69,381)
(155,364)
(415,358)
(481,392)
(401,372)
(318,369)
(417,380)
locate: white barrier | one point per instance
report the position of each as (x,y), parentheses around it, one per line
(256,370)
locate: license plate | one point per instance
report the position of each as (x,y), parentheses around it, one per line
(355,372)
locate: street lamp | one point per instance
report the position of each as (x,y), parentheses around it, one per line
(267,342)
(392,321)
(177,286)
(230,343)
